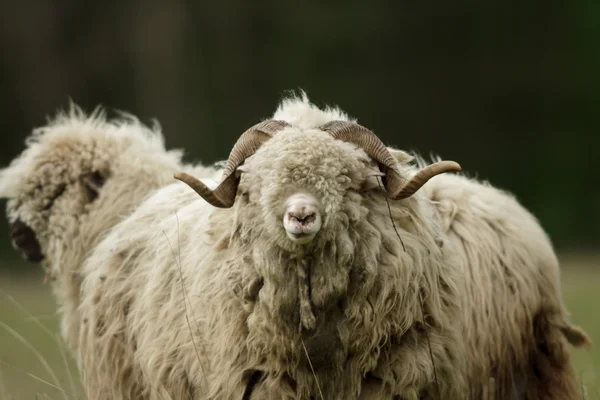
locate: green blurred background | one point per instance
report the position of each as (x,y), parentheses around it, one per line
(509,89)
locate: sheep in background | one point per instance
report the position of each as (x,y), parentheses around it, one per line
(135,297)
(299,268)
(78,177)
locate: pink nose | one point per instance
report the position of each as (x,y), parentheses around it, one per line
(301,219)
(303,216)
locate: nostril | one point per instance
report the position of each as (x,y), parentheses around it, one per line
(303,219)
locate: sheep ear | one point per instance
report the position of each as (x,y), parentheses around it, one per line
(92,183)
(401,156)
(371,179)
(8,183)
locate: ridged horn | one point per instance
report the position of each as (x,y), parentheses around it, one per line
(420,178)
(223,196)
(396,186)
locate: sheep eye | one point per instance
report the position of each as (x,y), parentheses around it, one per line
(92,183)
(59,192)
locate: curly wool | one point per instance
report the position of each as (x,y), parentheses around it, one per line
(46,190)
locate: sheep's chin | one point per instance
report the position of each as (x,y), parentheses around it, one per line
(301,239)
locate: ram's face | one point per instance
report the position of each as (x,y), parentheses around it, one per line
(305,185)
(300,187)
(47,188)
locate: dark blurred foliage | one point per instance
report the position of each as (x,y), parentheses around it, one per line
(508,89)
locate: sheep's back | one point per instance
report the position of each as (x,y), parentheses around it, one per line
(510,271)
(135,319)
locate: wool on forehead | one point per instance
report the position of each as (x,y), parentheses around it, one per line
(74,137)
(299,111)
(309,146)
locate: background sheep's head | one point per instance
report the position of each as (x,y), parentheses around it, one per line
(54,181)
(75,178)
(307,183)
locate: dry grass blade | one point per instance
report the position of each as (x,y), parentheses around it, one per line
(437,384)
(63,355)
(312,369)
(32,317)
(2,388)
(435,377)
(45,382)
(387,201)
(584,394)
(39,356)
(185,297)
(57,340)
(40,317)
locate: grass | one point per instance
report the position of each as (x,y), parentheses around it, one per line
(581,293)
(29,324)
(29,332)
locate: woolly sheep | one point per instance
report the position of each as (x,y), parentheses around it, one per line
(186,300)
(79,175)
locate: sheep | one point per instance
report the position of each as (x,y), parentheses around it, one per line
(302,275)
(78,176)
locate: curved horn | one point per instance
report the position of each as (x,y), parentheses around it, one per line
(223,196)
(396,186)
(420,178)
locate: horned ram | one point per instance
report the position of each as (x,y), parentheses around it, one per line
(324,266)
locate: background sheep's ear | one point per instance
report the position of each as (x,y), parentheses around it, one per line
(5,184)
(92,183)
(401,156)
(12,177)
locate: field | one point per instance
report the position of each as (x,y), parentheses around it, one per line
(33,364)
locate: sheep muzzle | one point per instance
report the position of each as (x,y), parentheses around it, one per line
(301,218)
(24,240)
